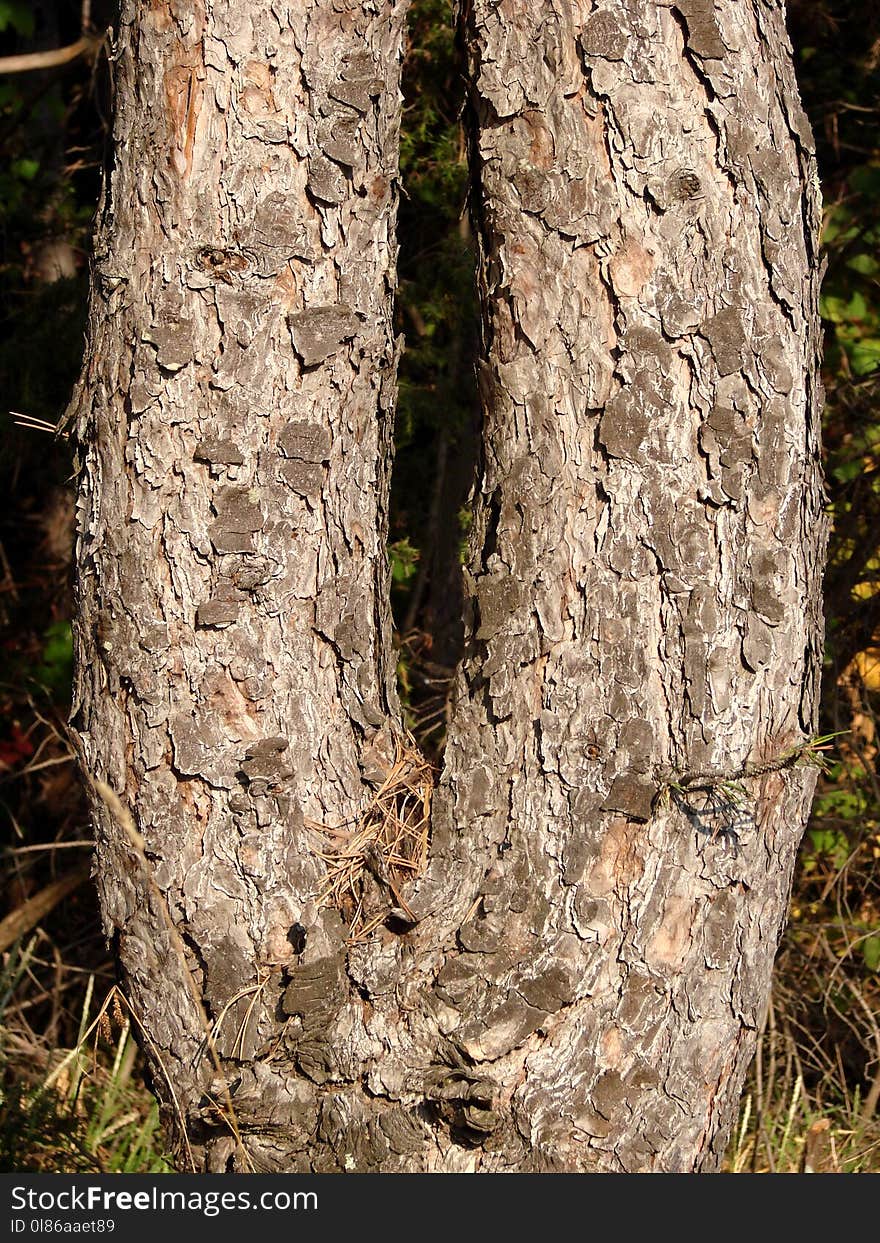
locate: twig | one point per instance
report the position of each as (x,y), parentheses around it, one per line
(31,422)
(802,753)
(29,914)
(26,850)
(87,44)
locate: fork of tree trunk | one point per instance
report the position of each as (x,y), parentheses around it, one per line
(572,974)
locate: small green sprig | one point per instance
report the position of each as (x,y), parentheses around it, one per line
(811,752)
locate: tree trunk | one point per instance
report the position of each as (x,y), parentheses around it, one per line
(235,674)
(646,645)
(574,976)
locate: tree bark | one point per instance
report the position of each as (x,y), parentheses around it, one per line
(574,977)
(649,541)
(235,674)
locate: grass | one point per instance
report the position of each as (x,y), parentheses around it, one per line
(79,1110)
(785,1129)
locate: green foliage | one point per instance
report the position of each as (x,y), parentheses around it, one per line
(851,293)
(17,15)
(404,560)
(846,802)
(89,1113)
(47,198)
(95,1116)
(96,1132)
(839,83)
(24,168)
(832,843)
(432,163)
(871,951)
(825,996)
(55,671)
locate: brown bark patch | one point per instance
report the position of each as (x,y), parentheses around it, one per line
(667,946)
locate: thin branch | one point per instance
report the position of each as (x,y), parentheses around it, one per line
(29,914)
(87,45)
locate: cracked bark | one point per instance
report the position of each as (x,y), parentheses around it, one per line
(588,969)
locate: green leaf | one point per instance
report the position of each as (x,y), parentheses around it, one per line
(18,15)
(836,231)
(832,308)
(848,470)
(856,308)
(866,179)
(404,558)
(841,311)
(835,221)
(864,264)
(864,355)
(871,952)
(25,169)
(56,670)
(830,843)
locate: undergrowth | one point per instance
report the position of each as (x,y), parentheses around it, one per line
(83,1109)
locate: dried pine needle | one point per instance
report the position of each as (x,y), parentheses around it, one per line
(390,837)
